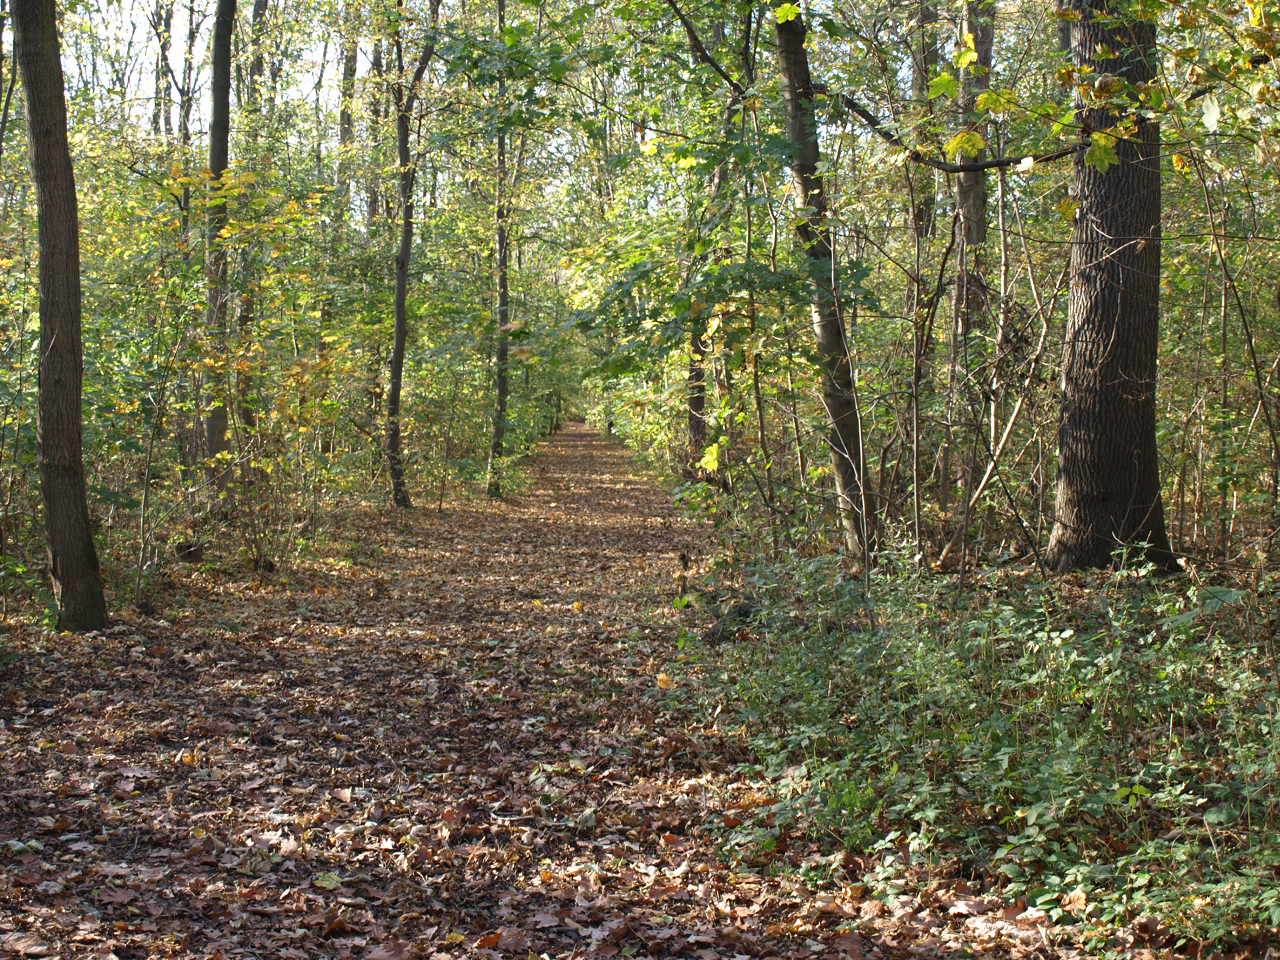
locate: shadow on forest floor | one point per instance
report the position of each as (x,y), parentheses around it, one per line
(453,744)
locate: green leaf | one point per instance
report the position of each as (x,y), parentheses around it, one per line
(788,11)
(966,143)
(327,880)
(710,461)
(943,85)
(996,101)
(1067,208)
(1101,154)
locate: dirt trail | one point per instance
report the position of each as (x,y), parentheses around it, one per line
(445,740)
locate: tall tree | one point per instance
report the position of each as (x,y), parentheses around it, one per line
(977,33)
(216,252)
(813,228)
(77,581)
(404,93)
(502,316)
(1108,490)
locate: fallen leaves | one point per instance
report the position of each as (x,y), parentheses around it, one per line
(455,751)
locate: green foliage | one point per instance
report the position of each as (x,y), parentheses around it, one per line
(1102,755)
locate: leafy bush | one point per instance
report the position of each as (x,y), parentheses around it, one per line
(1104,749)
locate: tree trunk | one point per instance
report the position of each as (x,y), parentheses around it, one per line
(406,98)
(971,186)
(395,454)
(73,561)
(1108,492)
(853,499)
(502,319)
(216,254)
(377,97)
(346,124)
(924,64)
(162,24)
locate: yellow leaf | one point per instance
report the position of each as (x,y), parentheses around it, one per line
(665,682)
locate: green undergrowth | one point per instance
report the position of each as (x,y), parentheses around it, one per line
(1104,748)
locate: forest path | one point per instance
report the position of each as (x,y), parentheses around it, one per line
(443,741)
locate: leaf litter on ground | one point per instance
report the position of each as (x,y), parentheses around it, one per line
(450,740)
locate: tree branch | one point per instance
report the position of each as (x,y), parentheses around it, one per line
(888,136)
(701,52)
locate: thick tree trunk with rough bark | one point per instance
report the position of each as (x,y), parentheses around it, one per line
(853,499)
(77,581)
(1108,492)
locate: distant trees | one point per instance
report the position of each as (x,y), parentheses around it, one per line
(73,558)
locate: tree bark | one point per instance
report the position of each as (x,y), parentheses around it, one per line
(346,123)
(1108,490)
(853,498)
(406,97)
(502,318)
(216,254)
(394,444)
(971,185)
(377,96)
(73,560)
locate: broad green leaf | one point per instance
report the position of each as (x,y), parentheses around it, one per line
(1101,154)
(966,143)
(788,11)
(710,461)
(943,85)
(996,101)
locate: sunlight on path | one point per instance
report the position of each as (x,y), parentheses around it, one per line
(442,740)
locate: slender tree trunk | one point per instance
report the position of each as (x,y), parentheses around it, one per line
(346,124)
(1108,492)
(162,24)
(73,560)
(853,499)
(395,453)
(971,186)
(216,255)
(376,99)
(502,319)
(245,386)
(406,98)
(924,64)
(696,392)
